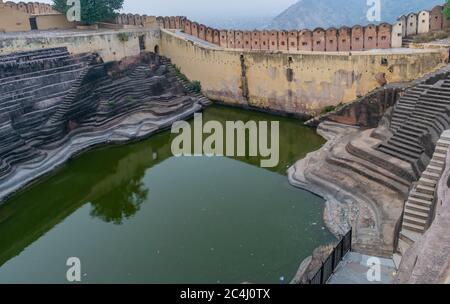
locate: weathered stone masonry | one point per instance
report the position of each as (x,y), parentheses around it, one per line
(54,105)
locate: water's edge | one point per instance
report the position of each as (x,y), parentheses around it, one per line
(25,177)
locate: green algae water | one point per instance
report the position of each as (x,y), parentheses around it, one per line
(136,214)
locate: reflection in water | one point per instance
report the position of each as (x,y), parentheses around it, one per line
(209,218)
(121,202)
(107,178)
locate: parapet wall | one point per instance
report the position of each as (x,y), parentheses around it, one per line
(32,8)
(297,83)
(343,39)
(136,20)
(300,83)
(110,45)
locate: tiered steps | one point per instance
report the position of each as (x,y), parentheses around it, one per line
(48,96)
(32,85)
(419,207)
(406,42)
(405,105)
(422,113)
(187,86)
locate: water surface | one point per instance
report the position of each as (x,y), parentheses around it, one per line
(135,214)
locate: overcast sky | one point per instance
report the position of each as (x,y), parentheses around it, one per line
(199,8)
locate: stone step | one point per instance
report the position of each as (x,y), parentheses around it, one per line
(431,175)
(406,138)
(425,189)
(404,242)
(415,127)
(441,149)
(439,156)
(434,169)
(443,143)
(415,221)
(413,227)
(416,214)
(437,163)
(411,205)
(437,97)
(401,150)
(412,148)
(411,133)
(395,154)
(425,124)
(427,182)
(430,109)
(410,236)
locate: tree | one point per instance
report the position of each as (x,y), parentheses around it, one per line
(447,10)
(92,11)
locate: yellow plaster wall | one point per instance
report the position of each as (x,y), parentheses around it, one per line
(111,45)
(53,21)
(12,20)
(319,79)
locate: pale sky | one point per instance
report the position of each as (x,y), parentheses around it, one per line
(211,8)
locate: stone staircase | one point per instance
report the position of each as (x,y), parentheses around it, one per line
(32,85)
(28,62)
(407,41)
(202,99)
(57,105)
(418,119)
(419,208)
(405,105)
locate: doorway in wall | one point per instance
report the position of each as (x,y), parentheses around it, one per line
(142,43)
(33,24)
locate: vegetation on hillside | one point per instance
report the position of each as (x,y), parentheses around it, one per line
(432,36)
(447,10)
(92,11)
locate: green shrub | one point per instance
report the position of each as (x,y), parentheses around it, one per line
(327,109)
(92,11)
(195,86)
(123,37)
(447,10)
(179,74)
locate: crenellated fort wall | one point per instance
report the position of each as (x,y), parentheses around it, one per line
(343,39)
(298,71)
(33,8)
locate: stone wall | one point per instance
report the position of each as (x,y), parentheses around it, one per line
(297,83)
(111,45)
(319,40)
(357,38)
(365,112)
(15,17)
(12,20)
(136,20)
(53,21)
(436,21)
(32,8)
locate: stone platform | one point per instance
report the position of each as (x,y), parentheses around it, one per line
(354,268)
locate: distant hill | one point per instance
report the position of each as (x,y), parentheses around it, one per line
(326,13)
